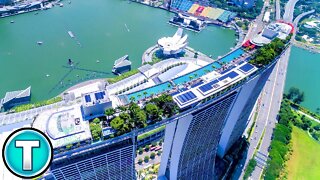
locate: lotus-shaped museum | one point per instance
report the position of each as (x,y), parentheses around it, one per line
(175,44)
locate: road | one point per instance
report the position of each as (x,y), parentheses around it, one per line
(258,24)
(270,111)
(274,91)
(289,9)
(278,10)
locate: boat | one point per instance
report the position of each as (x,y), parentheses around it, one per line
(69,2)
(98,61)
(71,34)
(60,4)
(48,75)
(40,42)
(11,21)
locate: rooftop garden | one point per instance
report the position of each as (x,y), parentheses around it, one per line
(268,52)
(26,107)
(122,76)
(132,116)
(124,119)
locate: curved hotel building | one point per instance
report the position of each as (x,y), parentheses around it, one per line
(215,100)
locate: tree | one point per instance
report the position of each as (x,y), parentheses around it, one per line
(109,112)
(145,94)
(153,144)
(132,98)
(96,120)
(152,155)
(146,158)
(140,118)
(152,111)
(147,147)
(140,161)
(117,123)
(140,150)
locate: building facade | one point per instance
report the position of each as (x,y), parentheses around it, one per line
(114,161)
(238,118)
(191,143)
(5,2)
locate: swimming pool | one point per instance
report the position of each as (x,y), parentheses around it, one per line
(149,91)
(196,74)
(235,54)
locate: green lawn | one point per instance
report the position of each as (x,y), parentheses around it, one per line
(304,162)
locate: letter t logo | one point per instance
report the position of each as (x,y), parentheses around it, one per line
(27,147)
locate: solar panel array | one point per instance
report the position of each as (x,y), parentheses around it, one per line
(187,97)
(87,98)
(231,75)
(99,95)
(208,86)
(246,68)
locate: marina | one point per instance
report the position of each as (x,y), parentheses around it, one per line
(105,43)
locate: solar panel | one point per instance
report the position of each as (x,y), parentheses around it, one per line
(98,95)
(246,68)
(87,98)
(187,97)
(231,75)
(208,86)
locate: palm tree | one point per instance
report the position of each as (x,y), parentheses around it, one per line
(109,112)
(195,75)
(145,94)
(139,96)
(190,77)
(132,98)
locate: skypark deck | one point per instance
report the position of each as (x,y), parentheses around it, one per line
(217,84)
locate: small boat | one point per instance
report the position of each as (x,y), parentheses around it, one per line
(11,21)
(48,75)
(71,34)
(36,13)
(39,42)
(69,2)
(60,4)
(97,61)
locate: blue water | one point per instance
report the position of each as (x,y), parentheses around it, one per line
(232,56)
(198,73)
(152,90)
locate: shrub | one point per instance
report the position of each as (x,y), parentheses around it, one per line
(146,159)
(152,155)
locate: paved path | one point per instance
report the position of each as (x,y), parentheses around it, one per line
(307,115)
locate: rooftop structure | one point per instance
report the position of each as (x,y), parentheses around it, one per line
(278,29)
(188,22)
(15,98)
(175,44)
(122,65)
(63,127)
(202,10)
(94,104)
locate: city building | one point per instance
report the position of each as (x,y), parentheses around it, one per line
(6,2)
(175,44)
(100,161)
(15,98)
(122,65)
(94,104)
(188,22)
(244,3)
(279,30)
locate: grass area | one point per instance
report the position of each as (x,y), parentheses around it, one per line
(122,76)
(304,162)
(149,133)
(250,168)
(37,104)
